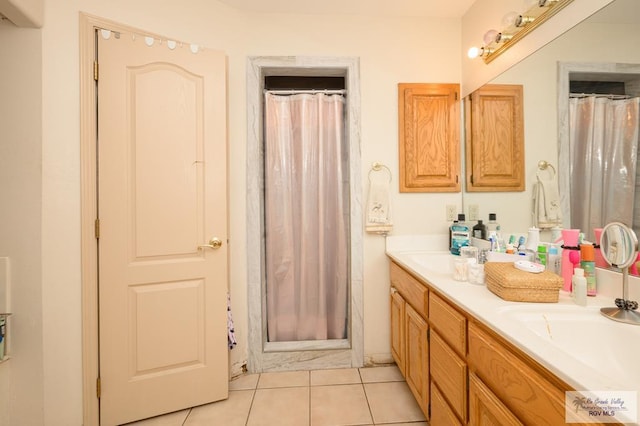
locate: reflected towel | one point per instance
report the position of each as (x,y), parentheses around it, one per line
(546,201)
(378,218)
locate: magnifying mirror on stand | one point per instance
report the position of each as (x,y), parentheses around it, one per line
(619,247)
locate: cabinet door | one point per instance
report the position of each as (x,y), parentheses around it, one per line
(495,139)
(417,358)
(398,330)
(485,409)
(429,129)
(441,413)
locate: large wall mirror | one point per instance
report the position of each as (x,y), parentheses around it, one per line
(605,47)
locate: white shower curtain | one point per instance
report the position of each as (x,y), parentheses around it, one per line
(603,138)
(306,217)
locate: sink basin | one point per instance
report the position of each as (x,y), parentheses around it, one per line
(584,335)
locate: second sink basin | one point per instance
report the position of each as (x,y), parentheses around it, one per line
(585,335)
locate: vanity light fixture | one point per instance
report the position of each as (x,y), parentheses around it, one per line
(503,38)
(476,52)
(516,26)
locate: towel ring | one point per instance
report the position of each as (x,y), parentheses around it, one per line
(544,165)
(376,167)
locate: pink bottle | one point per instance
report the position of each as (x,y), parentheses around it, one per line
(600,262)
(570,237)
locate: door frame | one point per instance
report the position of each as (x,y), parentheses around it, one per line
(269,356)
(89,209)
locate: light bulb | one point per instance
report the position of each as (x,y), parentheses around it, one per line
(509,19)
(489,37)
(474,52)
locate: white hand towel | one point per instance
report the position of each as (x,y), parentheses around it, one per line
(378,218)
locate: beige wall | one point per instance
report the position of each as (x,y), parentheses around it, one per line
(21,378)
(390,51)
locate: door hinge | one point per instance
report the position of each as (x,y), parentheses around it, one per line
(97,228)
(471,179)
(456,96)
(98,388)
(95,70)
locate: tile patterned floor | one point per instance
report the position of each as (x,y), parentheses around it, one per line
(354,396)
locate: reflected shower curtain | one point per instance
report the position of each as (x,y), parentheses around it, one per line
(603,138)
(305,217)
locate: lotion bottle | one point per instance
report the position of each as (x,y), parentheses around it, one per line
(588,265)
(579,287)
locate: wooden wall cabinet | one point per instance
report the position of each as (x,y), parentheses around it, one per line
(494,123)
(429,137)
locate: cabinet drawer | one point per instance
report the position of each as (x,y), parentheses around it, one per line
(413,292)
(520,386)
(485,409)
(450,324)
(450,374)
(441,414)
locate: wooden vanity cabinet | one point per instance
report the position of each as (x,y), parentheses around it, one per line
(486,409)
(460,371)
(447,356)
(428,136)
(530,392)
(494,122)
(409,333)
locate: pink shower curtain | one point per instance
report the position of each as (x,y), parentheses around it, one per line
(306,213)
(603,144)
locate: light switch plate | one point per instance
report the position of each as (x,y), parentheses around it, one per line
(474,212)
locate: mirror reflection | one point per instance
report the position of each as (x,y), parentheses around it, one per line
(619,245)
(602,54)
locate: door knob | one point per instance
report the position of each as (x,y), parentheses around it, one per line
(214,243)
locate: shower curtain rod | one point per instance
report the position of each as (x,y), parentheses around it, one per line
(599,95)
(306,91)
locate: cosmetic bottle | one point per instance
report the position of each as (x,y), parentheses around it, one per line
(533,240)
(579,287)
(541,255)
(460,235)
(553,260)
(480,230)
(600,262)
(492,225)
(570,238)
(588,264)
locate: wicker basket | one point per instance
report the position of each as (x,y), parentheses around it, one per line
(515,285)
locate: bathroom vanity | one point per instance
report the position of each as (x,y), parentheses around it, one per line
(470,357)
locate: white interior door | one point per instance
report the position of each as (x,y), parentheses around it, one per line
(162,198)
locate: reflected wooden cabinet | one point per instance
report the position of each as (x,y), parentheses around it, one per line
(429,135)
(494,124)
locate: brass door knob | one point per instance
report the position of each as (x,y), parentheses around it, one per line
(214,243)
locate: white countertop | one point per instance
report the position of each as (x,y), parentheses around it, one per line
(599,355)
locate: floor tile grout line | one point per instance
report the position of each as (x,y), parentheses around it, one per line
(253,397)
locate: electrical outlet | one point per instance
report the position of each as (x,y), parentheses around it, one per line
(451,212)
(474,212)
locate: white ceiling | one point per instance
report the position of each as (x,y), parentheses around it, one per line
(423,8)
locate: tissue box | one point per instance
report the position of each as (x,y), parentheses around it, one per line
(509,283)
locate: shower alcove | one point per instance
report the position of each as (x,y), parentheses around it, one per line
(315,354)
